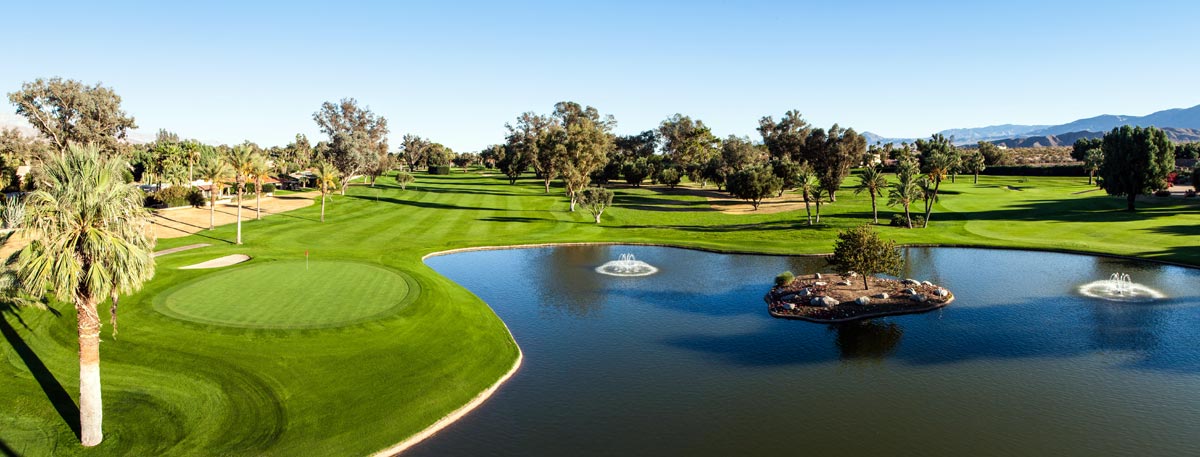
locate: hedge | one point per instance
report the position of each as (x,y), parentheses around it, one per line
(1028,170)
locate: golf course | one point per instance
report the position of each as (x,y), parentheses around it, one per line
(336,339)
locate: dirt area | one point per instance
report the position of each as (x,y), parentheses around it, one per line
(836,298)
(182,222)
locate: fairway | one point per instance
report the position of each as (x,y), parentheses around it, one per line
(288,294)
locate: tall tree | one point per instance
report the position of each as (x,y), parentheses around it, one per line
(214,170)
(524,143)
(787,137)
(687,143)
(1092,162)
(413,148)
(1080,148)
(89,241)
(633,147)
(67,111)
(754,184)
(586,142)
(831,155)
(938,158)
(873,182)
(351,154)
(806,184)
(241,160)
(992,154)
(596,200)
(1136,161)
(327,180)
(512,162)
(349,118)
(974,163)
(905,190)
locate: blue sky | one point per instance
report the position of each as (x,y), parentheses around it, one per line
(455,72)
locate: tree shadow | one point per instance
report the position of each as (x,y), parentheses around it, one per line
(58,396)
(422,204)
(7,451)
(646,203)
(1093,209)
(522,219)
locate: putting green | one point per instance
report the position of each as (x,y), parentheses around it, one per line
(287,294)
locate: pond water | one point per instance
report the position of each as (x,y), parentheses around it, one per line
(687,361)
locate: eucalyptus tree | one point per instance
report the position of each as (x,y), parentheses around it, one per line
(754,184)
(351,154)
(241,160)
(1136,161)
(787,137)
(327,180)
(831,154)
(346,117)
(89,241)
(214,170)
(512,161)
(585,144)
(686,142)
(873,182)
(523,146)
(905,190)
(67,111)
(413,148)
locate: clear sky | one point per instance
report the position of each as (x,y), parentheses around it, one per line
(455,72)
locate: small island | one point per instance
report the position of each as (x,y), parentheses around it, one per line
(830,298)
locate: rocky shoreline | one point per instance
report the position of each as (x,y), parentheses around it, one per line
(830,298)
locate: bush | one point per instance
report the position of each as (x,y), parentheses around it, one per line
(898,220)
(784,279)
(670,177)
(439,170)
(1162,193)
(176,196)
(404,178)
(268,188)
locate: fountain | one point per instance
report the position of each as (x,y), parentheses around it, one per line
(1119,287)
(626,265)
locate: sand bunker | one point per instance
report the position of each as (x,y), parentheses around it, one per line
(219,262)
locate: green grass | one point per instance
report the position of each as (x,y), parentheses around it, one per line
(176,386)
(288,295)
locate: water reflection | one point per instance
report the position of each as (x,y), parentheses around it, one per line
(871,340)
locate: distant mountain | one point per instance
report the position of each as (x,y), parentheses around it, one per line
(1181,124)
(1175,134)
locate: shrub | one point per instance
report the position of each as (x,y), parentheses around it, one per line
(898,220)
(1162,193)
(404,178)
(268,188)
(176,196)
(1052,170)
(439,170)
(670,177)
(784,279)
(13,215)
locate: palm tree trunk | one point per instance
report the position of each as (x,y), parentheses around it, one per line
(322,206)
(91,412)
(807,210)
(239,216)
(976,178)
(874,212)
(929,203)
(818,210)
(907,216)
(212,206)
(258,205)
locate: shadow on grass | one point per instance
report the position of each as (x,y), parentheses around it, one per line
(523,219)
(7,451)
(58,396)
(421,204)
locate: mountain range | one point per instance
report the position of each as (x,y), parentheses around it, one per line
(1181,124)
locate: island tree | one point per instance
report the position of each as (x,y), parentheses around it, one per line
(89,241)
(596,200)
(67,111)
(1136,161)
(862,251)
(873,182)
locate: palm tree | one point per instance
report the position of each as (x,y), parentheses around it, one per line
(241,159)
(90,240)
(1092,162)
(214,170)
(259,171)
(904,191)
(327,179)
(806,183)
(820,191)
(873,182)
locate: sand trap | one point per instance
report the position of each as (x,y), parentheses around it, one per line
(180,249)
(219,262)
